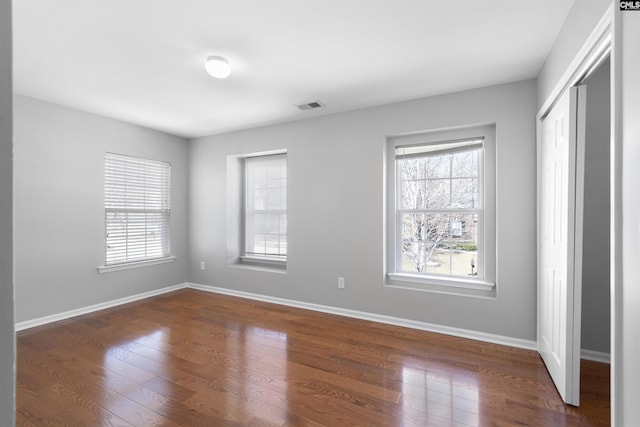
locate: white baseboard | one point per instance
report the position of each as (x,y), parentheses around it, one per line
(595,356)
(380,318)
(89,309)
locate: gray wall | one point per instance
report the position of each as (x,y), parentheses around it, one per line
(596,313)
(336,206)
(626,369)
(582,19)
(59,208)
(7,337)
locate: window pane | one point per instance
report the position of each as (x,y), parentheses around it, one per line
(414,194)
(464,193)
(465,164)
(272,245)
(273,224)
(259,176)
(274,199)
(258,244)
(412,168)
(464,244)
(426,194)
(441,261)
(258,223)
(412,261)
(438,166)
(258,200)
(438,193)
(422,236)
(434,166)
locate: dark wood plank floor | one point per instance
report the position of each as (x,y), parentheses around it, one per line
(191,358)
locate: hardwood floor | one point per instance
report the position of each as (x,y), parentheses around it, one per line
(192,358)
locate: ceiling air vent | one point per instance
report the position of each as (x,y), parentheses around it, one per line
(311,105)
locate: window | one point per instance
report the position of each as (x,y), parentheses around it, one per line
(443,220)
(438,192)
(137,209)
(265,209)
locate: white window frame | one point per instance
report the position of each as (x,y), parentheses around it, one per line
(480,286)
(118,170)
(277,261)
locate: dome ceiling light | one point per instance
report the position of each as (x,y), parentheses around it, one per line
(218,67)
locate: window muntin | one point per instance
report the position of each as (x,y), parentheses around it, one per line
(439,214)
(265,207)
(137,209)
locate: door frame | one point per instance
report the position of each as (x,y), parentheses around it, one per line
(596,49)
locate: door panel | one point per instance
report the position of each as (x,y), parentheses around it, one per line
(560,213)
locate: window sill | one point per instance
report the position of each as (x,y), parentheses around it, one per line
(137,264)
(442,285)
(272,265)
(264,261)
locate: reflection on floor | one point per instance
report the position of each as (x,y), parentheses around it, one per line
(192,358)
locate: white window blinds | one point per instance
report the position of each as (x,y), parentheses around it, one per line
(422,150)
(137,209)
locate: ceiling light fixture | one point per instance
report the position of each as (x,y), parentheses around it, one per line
(218,67)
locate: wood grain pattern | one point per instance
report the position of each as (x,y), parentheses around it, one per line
(192,358)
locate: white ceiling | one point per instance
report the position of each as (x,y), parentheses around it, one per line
(142,61)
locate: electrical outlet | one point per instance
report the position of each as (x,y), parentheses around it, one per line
(340,282)
(203,266)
